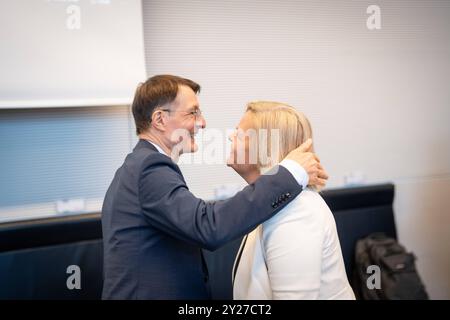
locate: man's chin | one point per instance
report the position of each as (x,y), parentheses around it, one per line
(194,147)
(191,148)
(182,148)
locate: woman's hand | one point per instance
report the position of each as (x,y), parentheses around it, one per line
(311,163)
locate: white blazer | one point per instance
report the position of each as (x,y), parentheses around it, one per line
(294,255)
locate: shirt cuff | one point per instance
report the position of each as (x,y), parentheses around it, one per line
(297,171)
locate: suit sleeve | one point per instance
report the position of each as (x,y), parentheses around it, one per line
(169,206)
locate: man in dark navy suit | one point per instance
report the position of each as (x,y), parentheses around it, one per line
(153,227)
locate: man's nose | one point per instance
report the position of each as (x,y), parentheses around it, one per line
(201,122)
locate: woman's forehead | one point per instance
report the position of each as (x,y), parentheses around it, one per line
(246,121)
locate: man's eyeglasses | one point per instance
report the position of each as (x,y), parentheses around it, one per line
(196,113)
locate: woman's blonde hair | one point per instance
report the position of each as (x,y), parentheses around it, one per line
(293,129)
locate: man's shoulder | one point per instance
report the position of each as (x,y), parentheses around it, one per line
(148,156)
(147,161)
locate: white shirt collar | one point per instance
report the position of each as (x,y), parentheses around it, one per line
(160,150)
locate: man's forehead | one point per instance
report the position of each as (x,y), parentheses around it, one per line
(186,98)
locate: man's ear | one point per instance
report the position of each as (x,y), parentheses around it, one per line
(158,120)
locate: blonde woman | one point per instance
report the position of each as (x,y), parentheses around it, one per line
(296,254)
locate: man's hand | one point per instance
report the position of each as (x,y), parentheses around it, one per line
(311,163)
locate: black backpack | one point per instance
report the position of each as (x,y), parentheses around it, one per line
(385,271)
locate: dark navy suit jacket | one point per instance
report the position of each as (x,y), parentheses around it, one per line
(154,227)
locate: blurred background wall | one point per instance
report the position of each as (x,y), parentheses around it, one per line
(378,101)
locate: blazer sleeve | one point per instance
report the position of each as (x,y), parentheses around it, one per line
(168,204)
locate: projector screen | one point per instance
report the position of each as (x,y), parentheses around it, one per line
(56,53)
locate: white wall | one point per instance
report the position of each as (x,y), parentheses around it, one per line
(57,53)
(378,100)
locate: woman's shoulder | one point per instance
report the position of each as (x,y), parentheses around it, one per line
(308,202)
(307,206)
(311,198)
